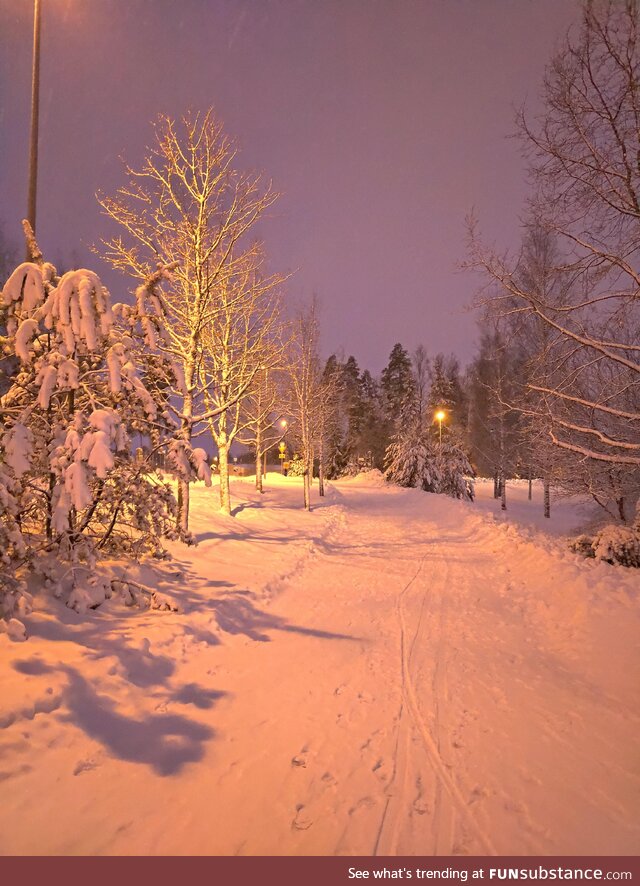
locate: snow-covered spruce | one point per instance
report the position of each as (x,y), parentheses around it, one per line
(296,467)
(415,460)
(69,485)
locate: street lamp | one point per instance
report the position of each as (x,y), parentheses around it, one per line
(440,416)
(35,108)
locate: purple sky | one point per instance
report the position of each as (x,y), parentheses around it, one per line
(381,122)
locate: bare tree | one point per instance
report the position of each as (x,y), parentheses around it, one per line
(263,418)
(305,385)
(494,420)
(189,208)
(239,344)
(583,153)
(327,418)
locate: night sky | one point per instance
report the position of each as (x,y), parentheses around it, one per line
(381,123)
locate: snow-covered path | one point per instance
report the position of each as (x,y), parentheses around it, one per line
(395,673)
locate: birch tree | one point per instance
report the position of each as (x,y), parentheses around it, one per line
(263,418)
(305,377)
(187,207)
(583,155)
(240,343)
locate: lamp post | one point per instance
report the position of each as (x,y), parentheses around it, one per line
(35,109)
(440,416)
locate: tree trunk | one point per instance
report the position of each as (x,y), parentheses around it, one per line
(547,497)
(185,433)
(503,492)
(259,471)
(530,484)
(183,505)
(307,490)
(223,461)
(496,485)
(306,480)
(258,458)
(321,469)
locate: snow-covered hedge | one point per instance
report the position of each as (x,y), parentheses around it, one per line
(613,544)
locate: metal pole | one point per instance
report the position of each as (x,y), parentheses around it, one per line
(35,108)
(440,423)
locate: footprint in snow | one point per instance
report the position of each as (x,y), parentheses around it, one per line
(302,820)
(379,769)
(301,758)
(364,803)
(84,766)
(478,793)
(363,747)
(420,805)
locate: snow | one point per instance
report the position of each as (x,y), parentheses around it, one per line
(78,302)
(17,444)
(25,284)
(68,374)
(115,358)
(25,333)
(203,470)
(47,378)
(100,457)
(392,673)
(75,481)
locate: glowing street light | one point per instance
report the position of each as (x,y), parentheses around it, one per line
(440,417)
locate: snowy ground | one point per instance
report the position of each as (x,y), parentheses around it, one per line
(394,673)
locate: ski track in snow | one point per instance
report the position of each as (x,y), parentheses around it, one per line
(449,801)
(392,674)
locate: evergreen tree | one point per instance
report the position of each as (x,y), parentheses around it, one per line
(416,459)
(373,441)
(336,453)
(397,384)
(354,408)
(446,392)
